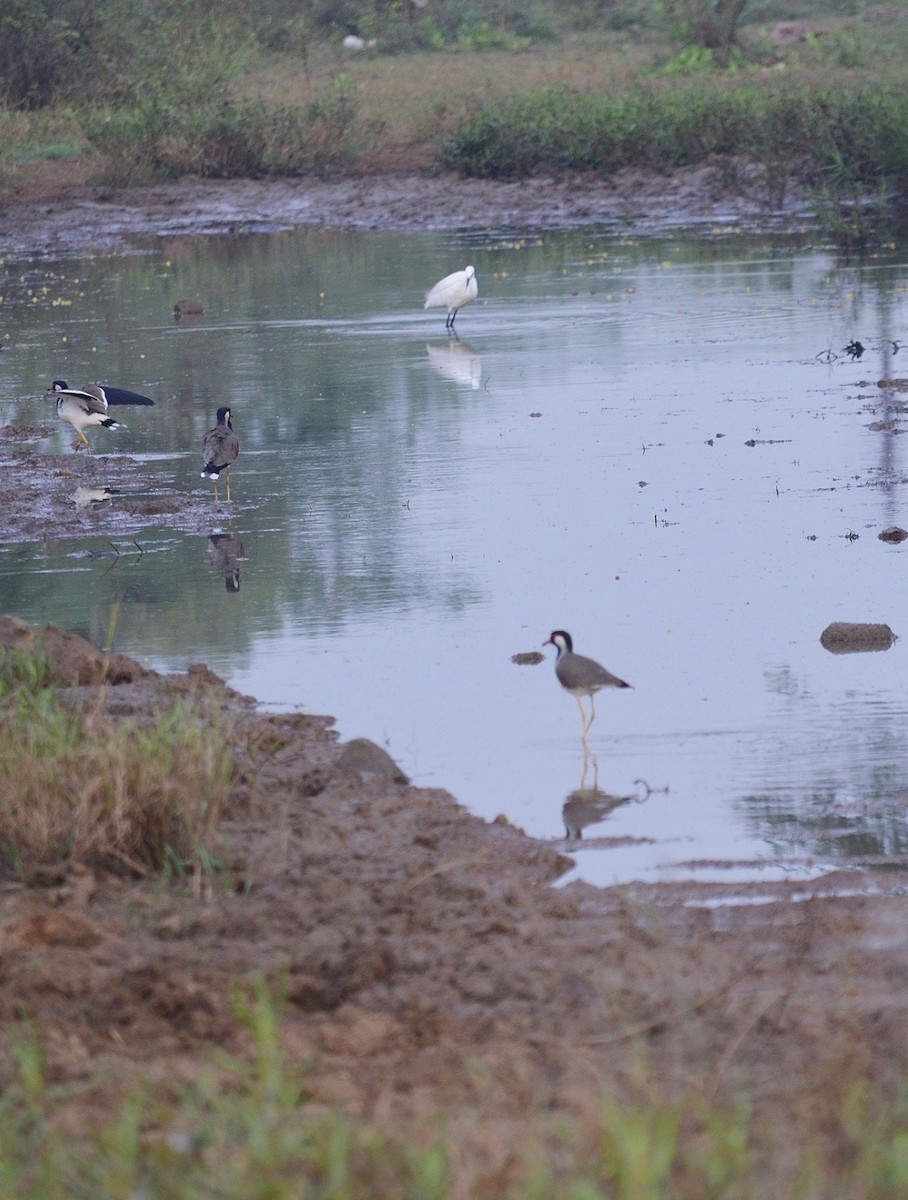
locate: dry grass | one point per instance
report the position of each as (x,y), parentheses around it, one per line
(410,101)
(79,786)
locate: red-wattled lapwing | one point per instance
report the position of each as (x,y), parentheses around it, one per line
(580,676)
(220,448)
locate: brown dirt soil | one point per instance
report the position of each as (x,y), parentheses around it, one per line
(36,215)
(427,961)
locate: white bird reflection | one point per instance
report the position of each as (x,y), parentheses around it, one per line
(225,553)
(456,360)
(87,496)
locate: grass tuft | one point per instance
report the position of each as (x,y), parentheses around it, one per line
(226,138)
(78,786)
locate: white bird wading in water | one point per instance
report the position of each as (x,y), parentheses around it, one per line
(452,293)
(580,676)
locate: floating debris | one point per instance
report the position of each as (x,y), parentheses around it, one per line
(894,534)
(856,637)
(528,658)
(188,307)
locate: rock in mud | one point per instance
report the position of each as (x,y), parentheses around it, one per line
(364,758)
(894,533)
(855,637)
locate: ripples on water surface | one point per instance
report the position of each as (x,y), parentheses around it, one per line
(411,510)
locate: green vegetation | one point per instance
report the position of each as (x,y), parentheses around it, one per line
(784,128)
(141,91)
(127,795)
(245,1130)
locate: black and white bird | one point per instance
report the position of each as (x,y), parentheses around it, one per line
(580,676)
(452,293)
(220,448)
(84,407)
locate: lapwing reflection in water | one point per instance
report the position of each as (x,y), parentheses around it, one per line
(591,805)
(225,553)
(588,805)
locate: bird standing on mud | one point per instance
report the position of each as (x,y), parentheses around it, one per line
(452,293)
(580,676)
(220,448)
(84,407)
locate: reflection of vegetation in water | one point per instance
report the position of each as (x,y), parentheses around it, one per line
(819,827)
(352,443)
(856,812)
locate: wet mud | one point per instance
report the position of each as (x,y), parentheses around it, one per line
(34,216)
(45,497)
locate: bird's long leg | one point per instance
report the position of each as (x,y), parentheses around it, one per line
(228,484)
(592,712)
(215,487)
(583,725)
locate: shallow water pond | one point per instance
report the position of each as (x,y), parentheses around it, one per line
(660,446)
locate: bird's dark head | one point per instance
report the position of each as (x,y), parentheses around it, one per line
(560,640)
(59,385)
(224,417)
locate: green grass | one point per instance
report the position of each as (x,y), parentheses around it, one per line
(247,1129)
(864,127)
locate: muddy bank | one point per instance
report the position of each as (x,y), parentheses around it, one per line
(35,215)
(426,960)
(47,497)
